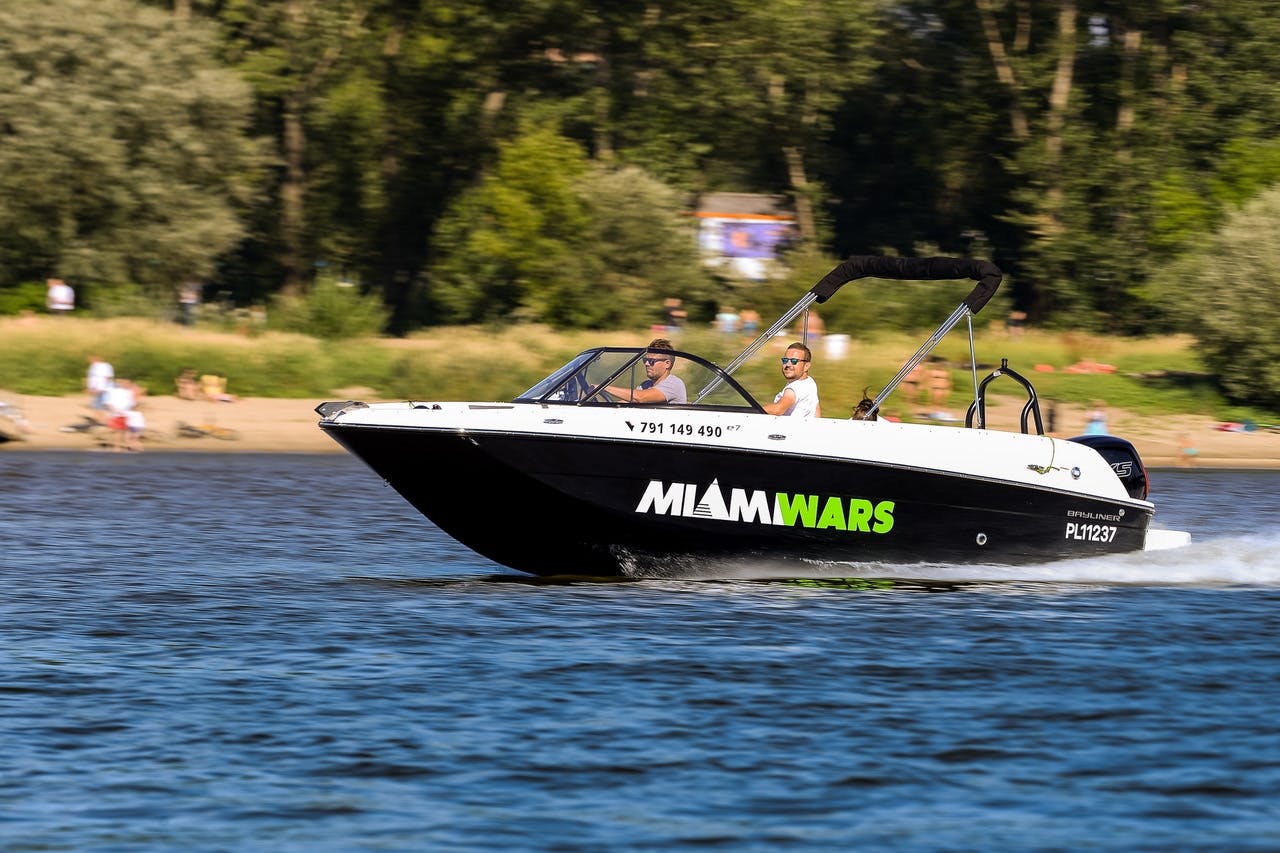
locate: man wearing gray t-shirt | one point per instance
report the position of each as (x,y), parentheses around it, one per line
(660,386)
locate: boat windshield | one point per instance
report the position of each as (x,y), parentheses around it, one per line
(585,379)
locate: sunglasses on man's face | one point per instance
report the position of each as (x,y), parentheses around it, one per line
(786,360)
(652,361)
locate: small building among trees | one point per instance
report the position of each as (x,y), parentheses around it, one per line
(743,233)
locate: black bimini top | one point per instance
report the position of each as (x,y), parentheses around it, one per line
(987,275)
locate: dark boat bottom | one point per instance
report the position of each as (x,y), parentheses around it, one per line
(561,506)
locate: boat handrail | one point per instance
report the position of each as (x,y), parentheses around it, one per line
(979,404)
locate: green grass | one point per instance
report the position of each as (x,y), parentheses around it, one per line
(44,355)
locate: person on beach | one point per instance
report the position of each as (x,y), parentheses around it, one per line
(135,423)
(214,388)
(1097,420)
(188,302)
(1187,451)
(120,399)
(98,380)
(939,386)
(799,397)
(813,325)
(673,314)
(911,385)
(727,320)
(187,384)
(660,386)
(59,297)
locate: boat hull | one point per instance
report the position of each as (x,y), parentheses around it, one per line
(600,506)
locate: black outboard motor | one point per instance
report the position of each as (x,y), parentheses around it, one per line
(1123,458)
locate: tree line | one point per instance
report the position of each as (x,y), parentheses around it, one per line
(470,160)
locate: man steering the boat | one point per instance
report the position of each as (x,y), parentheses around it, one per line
(660,386)
(800,395)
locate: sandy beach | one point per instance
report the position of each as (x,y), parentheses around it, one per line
(269,425)
(273,425)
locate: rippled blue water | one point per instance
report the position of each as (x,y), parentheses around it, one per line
(275,653)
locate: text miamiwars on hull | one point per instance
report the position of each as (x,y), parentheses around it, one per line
(783,509)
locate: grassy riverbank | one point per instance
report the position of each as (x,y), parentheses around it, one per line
(47,356)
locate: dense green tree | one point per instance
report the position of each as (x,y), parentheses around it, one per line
(728,95)
(922,153)
(1087,142)
(381,111)
(1225,291)
(1171,109)
(549,236)
(295,53)
(506,247)
(124,147)
(639,247)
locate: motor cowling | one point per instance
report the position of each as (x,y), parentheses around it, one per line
(1123,458)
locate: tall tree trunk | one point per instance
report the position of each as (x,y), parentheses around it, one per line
(1004,68)
(1129,231)
(494,101)
(293,190)
(794,155)
(1022,33)
(1128,70)
(391,264)
(398,255)
(800,186)
(292,193)
(602,132)
(1059,99)
(293,143)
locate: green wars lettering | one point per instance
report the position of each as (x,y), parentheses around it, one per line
(784,509)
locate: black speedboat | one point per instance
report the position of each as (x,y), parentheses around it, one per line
(568,480)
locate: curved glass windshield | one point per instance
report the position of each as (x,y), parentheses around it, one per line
(586,380)
(552,385)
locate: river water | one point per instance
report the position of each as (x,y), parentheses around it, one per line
(271,652)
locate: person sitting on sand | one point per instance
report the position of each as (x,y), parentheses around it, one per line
(214,388)
(187,384)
